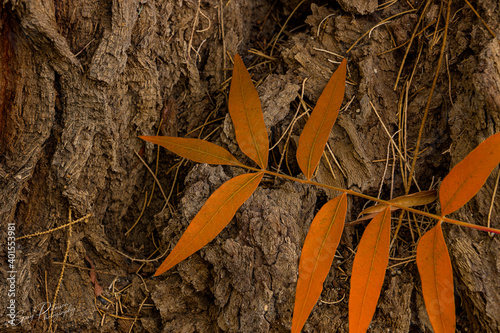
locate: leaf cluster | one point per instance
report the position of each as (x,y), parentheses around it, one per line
(372,256)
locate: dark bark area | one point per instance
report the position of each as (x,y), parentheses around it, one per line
(79,81)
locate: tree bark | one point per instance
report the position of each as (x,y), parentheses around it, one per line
(80,81)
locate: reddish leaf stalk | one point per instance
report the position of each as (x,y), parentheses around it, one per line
(381,201)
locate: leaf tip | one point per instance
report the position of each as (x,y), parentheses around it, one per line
(145,137)
(165,266)
(159,271)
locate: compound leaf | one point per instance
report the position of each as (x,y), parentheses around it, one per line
(215,214)
(468,176)
(197,150)
(246,114)
(368,271)
(436,274)
(317,256)
(313,139)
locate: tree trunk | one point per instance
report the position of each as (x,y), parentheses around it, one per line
(80,81)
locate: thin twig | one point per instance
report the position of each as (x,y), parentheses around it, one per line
(221,20)
(195,22)
(390,137)
(57,228)
(449,80)
(410,42)
(86,268)
(484,23)
(434,82)
(493,201)
(320,23)
(284,25)
(378,25)
(334,302)
(140,215)
(53,305)
(209,22)
(141,260)
(154,176)
(403,44)
(138,311)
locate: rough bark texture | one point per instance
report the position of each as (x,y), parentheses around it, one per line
(80,80)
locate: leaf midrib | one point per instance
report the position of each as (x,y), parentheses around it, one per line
(233,161)
(434,261)
(257,149)
(323,119)
(371,264)
(319,252)
(213,215)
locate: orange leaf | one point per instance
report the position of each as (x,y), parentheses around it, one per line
(368,271)
(468,176)
(246,114)
(409,200)
(215,214)
(313,139)
(194,149)
(317,256)
(434,267)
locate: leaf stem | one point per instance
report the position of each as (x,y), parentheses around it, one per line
(364,196)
